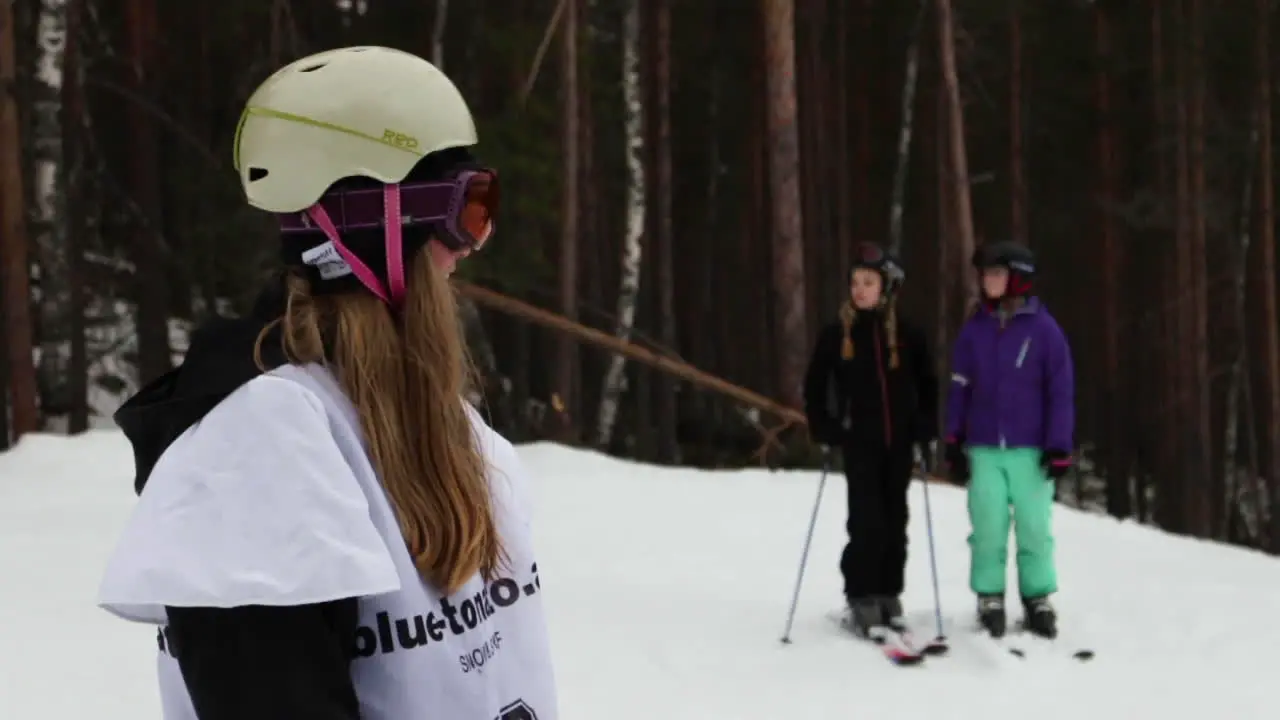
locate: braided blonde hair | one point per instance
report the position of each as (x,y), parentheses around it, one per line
(848,313)
(891,332)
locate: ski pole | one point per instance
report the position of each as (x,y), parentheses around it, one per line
(933,561)
(808,538)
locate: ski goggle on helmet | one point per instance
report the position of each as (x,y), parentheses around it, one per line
(873,257)
(460,208)
(1012,256)
(363,112)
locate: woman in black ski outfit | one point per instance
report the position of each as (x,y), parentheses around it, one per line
(871,390)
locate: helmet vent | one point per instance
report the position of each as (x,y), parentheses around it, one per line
(312,68)
(257,173)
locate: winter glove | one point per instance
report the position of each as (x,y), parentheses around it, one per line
(957,461)
(1055,463)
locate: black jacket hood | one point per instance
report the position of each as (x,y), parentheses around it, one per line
(219,360)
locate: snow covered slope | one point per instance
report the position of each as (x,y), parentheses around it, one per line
(669,589)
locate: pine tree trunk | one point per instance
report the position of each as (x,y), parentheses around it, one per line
(150,256)
(15,283)
(1017,150)
(566,359)
(845,165)
(791,336)
(1115,471)
(1234,491)
(947,261)
(1200,500)
(1266,284)
(1169,461)
(668,448)
(959,161)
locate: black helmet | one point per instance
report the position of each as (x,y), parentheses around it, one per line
(873,257)
(1015,257)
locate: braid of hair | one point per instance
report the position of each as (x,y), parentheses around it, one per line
(847,314)
(891,331)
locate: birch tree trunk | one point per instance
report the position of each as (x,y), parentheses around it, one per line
(74,128)
(349,9)
(1234,490)
(791,336)
(51,211)
(14,274)
(615,379)
(437,33)
(906,131)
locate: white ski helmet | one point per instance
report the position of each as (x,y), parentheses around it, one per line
(356,111)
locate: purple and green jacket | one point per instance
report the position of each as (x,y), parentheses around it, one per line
(1012,381)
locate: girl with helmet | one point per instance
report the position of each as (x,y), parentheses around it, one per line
(1010,420)
(872,391)
(325,529)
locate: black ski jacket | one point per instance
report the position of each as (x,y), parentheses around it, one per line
(863,400)
(253,662)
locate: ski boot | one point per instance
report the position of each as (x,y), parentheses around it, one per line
(891,612)
(991,614)
(1039,617)
(864,615)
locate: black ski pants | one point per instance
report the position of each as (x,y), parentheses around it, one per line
(874,561)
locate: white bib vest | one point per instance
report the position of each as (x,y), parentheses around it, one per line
(271,500)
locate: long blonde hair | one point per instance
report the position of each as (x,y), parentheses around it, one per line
(406,374)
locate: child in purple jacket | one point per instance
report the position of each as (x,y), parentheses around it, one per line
(1010,419)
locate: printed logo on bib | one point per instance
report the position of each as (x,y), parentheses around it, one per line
(456,618)
(453,617)
(518,710)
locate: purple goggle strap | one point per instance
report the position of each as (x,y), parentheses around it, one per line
(391,207)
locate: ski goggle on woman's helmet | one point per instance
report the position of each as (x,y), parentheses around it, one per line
(373,112)
(873,257)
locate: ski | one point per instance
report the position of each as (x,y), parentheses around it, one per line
(935,647)
(895,645)
(1002,643)
(1054,647)
(1023,642)
(1077,654)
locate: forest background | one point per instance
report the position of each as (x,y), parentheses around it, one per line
(684,182)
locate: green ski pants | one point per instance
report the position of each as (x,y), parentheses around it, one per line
(1000,478)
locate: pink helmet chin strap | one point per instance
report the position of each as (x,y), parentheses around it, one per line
(393,293)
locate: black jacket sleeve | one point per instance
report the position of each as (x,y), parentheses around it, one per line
(925,377)
(267,663)
(819,390)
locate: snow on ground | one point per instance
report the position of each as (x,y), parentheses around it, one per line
(668,592)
